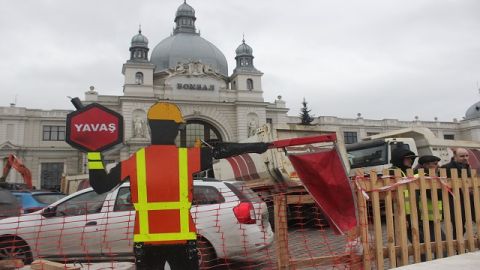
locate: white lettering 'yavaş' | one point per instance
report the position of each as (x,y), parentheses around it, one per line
(95,127)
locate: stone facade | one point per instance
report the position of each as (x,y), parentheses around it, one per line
(231,107)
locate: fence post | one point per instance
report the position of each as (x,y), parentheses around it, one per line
(458,213)
(446,214)
(392,254)
(412,227)
(363,223)
(281,232)
(466,184)
(476,205)
(377,221)
(425,215)
(401,220)
(436,215)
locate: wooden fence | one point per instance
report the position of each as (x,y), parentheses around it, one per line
(385,226)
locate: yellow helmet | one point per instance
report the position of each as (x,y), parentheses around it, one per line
(165,111)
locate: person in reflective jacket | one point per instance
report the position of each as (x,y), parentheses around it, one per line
(426,163)
(161,184)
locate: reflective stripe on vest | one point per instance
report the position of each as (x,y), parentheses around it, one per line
(143,206)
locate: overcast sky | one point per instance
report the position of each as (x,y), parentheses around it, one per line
(384,59)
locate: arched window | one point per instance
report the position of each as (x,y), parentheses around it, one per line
(249,84)
(234,85)
(198,129)
(139,78)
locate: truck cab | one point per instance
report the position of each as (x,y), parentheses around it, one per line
(376,154)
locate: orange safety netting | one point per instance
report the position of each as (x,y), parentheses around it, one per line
(235,226)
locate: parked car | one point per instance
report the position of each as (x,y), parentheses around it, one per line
(32,201)
(229,217)
(9,206)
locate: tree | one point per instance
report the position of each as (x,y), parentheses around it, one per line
(305,116)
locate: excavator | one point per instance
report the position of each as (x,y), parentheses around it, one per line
(12,161)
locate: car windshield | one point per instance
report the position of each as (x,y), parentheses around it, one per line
(48,198)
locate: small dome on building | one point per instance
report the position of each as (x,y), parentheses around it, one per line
(185,10)
(473,112)
(244,49)
(139,40)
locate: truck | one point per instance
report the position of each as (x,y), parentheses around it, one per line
(374,153)
(272,172)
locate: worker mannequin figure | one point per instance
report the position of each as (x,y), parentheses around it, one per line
(161,184)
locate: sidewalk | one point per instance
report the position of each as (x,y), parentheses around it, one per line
(468,261)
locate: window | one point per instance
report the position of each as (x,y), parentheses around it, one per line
(370,154)
(85,203)
(197,129)
(123,201)
(53,133)
(10,131)
(448,136)
(51,174)
(249,84)
(269,121)
(201,195)
(139,78)
(350,137)
(206,195)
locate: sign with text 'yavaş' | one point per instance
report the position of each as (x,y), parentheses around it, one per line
(94,128)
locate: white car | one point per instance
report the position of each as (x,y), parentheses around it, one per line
(86,226)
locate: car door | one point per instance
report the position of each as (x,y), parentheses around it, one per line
(118,225)
(72,227)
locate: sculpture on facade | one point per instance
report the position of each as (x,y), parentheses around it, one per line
(252,127)
(193,68)
(139,127)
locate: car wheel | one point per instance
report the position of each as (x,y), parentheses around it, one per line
(206,254)
(15,248)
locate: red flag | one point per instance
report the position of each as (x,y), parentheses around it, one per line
(324,177)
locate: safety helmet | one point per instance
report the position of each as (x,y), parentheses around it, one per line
(165,111)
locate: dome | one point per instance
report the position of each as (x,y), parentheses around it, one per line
(244,49)
(186,47)
(140,40)
(185,10)
(473,112)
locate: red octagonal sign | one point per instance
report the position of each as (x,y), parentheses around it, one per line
(94,128)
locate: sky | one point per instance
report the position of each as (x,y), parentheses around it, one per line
(384,59)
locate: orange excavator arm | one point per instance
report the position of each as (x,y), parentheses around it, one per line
(12,161)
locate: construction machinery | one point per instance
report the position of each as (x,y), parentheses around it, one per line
(12,161)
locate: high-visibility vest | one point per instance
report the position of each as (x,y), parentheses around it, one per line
(161,191)
(408,210)
(430,207)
